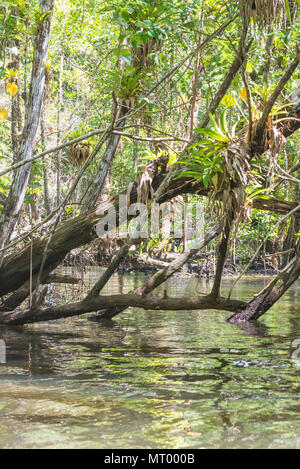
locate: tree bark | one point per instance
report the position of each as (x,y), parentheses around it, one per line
(119,257)
(269,295)
(215,292)
(98,183)
(47,203)
(119,301)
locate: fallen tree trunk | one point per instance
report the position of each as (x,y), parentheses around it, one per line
(143,261)
(119,301)
(242,311)
(55,278)
(15,270)
(276,205)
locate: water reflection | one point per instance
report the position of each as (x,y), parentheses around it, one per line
(153,379)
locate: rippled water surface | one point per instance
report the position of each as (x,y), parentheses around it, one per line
(154,379)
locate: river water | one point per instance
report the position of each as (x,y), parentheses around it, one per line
(154,379)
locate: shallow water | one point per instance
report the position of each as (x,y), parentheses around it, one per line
(154,379)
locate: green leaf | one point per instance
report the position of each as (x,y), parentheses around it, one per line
(257,192)
(288,11)
(206,180)
(249,68)
(223,122)
(228,100)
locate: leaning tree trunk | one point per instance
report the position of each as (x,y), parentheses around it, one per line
(223,249)
(18,189)
(269,295)
(59,111)
(98,184)
(47,203)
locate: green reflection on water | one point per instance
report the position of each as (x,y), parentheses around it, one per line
(154,379)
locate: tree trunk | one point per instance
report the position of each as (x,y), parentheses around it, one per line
(269,295)
(58,117)
(223,247)
(98,184)
(18,189)
(47,204)
(122,301)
